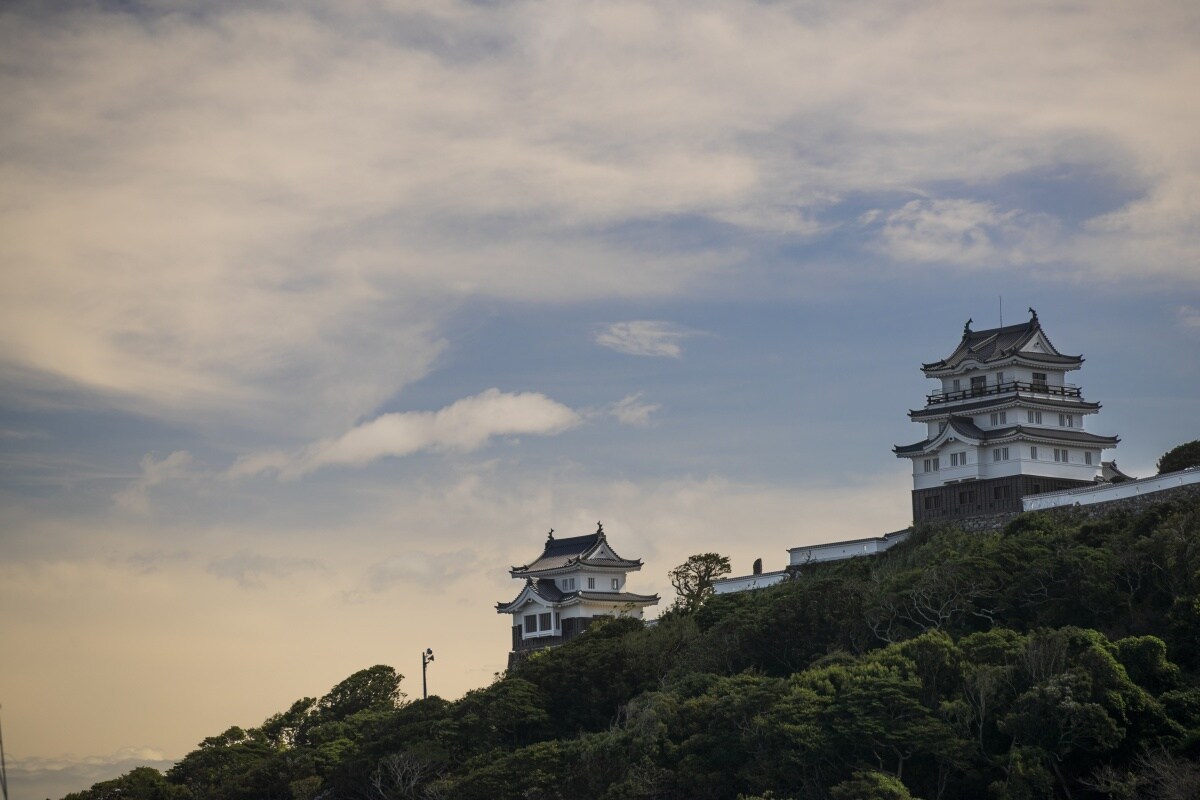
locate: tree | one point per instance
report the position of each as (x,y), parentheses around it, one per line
(693,579)
(376,688)
(871,785)
(1181,457)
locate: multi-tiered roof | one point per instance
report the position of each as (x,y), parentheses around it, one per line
(1003,424)
(556,578)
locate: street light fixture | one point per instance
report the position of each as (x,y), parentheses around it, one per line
(426,657)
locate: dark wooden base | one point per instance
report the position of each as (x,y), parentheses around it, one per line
(980,498)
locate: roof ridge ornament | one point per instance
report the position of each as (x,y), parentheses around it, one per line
(967,326)
(550,536)
(1032,315)
(600,529)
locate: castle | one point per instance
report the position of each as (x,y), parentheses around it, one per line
(571,584)
(1004,424)
(1004,433)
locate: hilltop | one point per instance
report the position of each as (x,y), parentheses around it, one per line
(1059,657)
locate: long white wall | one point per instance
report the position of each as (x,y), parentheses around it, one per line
(747,582)
(1111,491)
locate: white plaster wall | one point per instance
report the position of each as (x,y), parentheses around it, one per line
(1112,491)
(747,582)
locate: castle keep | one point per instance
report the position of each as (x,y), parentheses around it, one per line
(1003,424)
(573,582)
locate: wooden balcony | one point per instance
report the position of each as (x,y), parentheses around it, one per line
(1066,392)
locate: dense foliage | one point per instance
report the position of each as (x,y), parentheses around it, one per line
(1059,658)
(1181,457)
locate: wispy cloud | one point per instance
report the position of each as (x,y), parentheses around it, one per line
(251,569)
(962,232)
(1189,317)
(155,471)
(424,569)
(59,775)
(462,426)
(630,410)
(643,338)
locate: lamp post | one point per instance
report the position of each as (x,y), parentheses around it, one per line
(426,657)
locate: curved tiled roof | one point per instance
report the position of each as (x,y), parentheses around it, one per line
(575,551)
(995,344)
(546,590)
(999,402)
(969,430)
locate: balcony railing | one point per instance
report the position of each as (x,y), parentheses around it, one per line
(990,390)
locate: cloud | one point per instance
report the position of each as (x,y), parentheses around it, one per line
(251,569)
(57,776)
(631,410)
(135,497)
(962,232)
(465,425)
(1188,317)
(430,570)
(266,216)
(643,338)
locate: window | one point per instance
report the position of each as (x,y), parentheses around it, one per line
(544,621)
(957,384)
(557,621)
(966,497)
(1000,454)
(1039,381)
(1087,457)
(999,378)
(958,459)
(979,384)
(999,418)
(931,465)
(616,584)
(934,501)
(1033,453)
(591,583)
(530,624)
(1033,417)
(568,584)
(1001,492)
(1066,420)
(1062,455)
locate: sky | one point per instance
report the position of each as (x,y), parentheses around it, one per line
(314,318)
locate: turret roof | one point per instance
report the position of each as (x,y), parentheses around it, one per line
(995,344)
(1001,401)
(592,550)
(548,592)
(972,433)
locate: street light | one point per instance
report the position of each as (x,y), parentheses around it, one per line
(426,657)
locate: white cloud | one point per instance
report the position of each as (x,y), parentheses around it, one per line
(265,215)
(155,471)
(56,776)
(630,410)
(962,232)
(643,338)
(1189,317)
(465,425)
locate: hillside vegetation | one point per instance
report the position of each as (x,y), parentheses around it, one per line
(1056,659)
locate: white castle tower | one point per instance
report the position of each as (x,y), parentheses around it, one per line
(1003,425)
(573,582)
